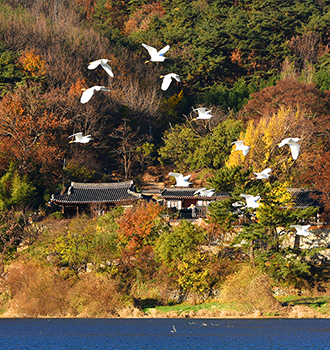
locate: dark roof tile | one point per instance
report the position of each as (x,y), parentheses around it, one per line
(305,197)
(183,192)
(84,193)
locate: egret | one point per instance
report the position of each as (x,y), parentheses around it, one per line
(203,192)
(167,79)
(156,56)
(251,201)
(241,147)
(78,137)
(302,230)
(203,113)
(238,204)
(293,144)
(103,63)
(173,330)
(264,174)
(181,180)
(88,93)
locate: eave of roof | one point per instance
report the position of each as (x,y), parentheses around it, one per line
(92,193)
(188,193)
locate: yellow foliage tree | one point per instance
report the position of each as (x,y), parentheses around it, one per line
(33,63)
(264,138)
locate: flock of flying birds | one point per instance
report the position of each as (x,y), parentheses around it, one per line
(203,114)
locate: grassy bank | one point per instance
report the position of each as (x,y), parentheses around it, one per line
(292,307)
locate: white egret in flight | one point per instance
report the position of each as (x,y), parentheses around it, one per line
(103,63)
(78,137)
(167,79)
(203,113)
(181,180)
(293,144)
(302,230)
(88,93)
(264,174)
(203,192)
(241,147)
(251,201)
(156,56)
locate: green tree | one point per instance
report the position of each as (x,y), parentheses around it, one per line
(179,251)
(186,148)
(72,248)
(104,246)
(263,229)
(15,190)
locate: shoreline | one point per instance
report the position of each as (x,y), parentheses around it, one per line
(295,312)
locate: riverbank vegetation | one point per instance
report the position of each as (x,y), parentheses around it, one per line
(134,263)
(262,67)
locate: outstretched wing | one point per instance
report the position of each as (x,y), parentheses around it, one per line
(266,171)
(163,50)
(295,149)
(200,109)
(87,95)
(166,82)
(238,143)
(245,150)
(246,196)
(284,142)
(176,175)
(76,134)
(108,69)
(199,191)
(152,51)
(94,64)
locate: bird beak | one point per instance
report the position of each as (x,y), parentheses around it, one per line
(146,61)
(71,141)
(161,76)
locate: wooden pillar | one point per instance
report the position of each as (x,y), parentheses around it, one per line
(77,210)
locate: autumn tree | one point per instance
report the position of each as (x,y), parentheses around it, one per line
(287,93)
(138,229)
(29,135)
(264,138)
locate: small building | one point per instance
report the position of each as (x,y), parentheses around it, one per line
(184,200)
(96,198)
(306,197)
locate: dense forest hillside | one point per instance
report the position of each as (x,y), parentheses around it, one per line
(232,56)
(262,69)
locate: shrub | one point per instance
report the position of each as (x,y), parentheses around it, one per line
(36,291)
(249,291)
(57,215)
(95,296)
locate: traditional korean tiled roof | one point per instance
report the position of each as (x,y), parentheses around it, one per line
(85,193)
(305,197)
(188,193)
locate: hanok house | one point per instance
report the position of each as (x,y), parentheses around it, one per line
(306,197)
(188,204)
(96,198)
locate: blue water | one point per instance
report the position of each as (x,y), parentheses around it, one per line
(199,334)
